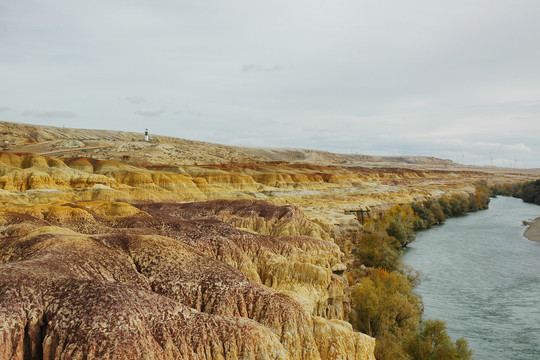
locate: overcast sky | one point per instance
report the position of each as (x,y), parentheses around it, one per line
(453,79)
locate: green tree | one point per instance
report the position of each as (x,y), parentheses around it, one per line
(445,205)
(378,250)
(384,306)
(431,342)
(429,213)
(459,204)
(530,192)
(399,222)
(384,302)
(438,214)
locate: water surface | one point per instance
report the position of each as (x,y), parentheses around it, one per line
(483,278)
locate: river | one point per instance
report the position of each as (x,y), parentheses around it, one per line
(483,278)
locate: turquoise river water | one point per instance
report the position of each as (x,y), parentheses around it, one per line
(483,278)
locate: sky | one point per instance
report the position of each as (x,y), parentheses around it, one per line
(458,79)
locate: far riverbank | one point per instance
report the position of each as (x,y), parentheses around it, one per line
(533,231)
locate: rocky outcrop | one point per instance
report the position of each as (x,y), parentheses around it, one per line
(251,215)
(153,282)
(325,193)
(299,266)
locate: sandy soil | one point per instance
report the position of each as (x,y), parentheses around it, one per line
(533,231)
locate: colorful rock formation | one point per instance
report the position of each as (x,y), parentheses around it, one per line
(168,281)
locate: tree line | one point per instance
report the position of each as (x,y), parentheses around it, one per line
(527,191)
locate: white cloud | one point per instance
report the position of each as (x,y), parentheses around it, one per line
(261,68)
(50,114)
(492,147)
(133,99)
(150,112)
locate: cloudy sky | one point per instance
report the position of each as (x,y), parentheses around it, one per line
(453,79)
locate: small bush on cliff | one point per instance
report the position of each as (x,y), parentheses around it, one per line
(445,206)
(431,342)
(436,210)
(378,250)
(401,221)
(383,306)
(459,204)
(397,222)
(380,246)
(425,217)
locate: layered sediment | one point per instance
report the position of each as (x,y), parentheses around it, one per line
(27,178)
(330,196)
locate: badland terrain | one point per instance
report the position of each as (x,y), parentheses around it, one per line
(115,247)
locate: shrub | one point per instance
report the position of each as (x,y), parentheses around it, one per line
(482,195)
(431,342)
(459,204)
(445,206)
(425,217)
(381,244)
(433,212)
(383,302)
(399,222)
(429,213)
(530,192)
(436,209)
(384,306)
(507,189)
(379,250)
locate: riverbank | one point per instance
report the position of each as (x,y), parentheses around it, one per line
(533,231)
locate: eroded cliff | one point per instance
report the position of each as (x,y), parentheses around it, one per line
(167,280)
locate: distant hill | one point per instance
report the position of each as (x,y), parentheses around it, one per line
(114,145)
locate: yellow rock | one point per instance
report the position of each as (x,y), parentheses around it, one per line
(110,209)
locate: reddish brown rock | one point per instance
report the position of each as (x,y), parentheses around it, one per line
(151,285)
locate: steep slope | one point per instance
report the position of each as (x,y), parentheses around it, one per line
(178,288)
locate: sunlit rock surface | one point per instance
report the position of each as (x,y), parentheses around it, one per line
(166,281)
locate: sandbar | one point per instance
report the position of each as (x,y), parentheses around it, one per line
(533,231)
